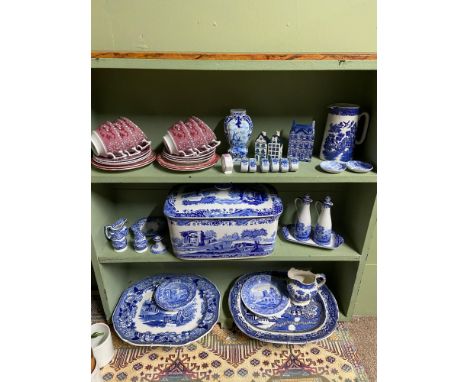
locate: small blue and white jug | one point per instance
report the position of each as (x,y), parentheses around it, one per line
(304,285)
(303,225)
(339,137)
(323,228)
(117,234)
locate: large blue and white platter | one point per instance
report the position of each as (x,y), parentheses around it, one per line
(265,295)
(139,321)
(335,242)
(297,325)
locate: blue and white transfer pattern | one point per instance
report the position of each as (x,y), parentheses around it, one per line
(339,143)
(117,234)
(297,325)
(265,295)
(238,127)
(138,320)
(301,141)
(359,166)
(222,221)
(336,239)
(175,293)
(322,235)
(332,167)
(302,231)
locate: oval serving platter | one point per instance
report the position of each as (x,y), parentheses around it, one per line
(297,325)
(139,321)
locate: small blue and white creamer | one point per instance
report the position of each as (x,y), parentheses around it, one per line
(223,221)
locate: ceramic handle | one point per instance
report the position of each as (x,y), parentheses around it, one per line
(364,129)
(295,203)
(320,279)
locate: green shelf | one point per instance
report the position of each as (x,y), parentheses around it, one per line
(309,172)
(231,65)
(284,251)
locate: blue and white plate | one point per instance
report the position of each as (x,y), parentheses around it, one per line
(151,226)
(358,166)
(335,242)
(265,295)
(296,325)
(175,293)
(139,321)
(333,167)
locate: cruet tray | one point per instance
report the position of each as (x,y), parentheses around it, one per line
(139,321)
(335,242)
(297,325)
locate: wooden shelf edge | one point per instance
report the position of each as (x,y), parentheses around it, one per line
(236,56)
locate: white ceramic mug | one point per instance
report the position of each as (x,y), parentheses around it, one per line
(101,345)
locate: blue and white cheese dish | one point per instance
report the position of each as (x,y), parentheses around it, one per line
(333,167)
(358,166)
(222,221)
(296,325)
(138,320)
(265,295)
(175,293)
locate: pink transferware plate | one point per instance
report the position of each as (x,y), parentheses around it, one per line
(183,167)
(131,166)
(175,158)
(123,161)
(189,163)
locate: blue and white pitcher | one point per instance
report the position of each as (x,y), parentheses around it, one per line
(339,137)
(303,226)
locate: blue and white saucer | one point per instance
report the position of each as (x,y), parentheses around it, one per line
(333,167)
(265,295)
(296,325)
(151,226)
(139,321)
(335,242)
(174,293)
(358,166)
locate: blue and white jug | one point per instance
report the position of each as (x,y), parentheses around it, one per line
(238,127)
(323,228)
(303,226)
(339,137)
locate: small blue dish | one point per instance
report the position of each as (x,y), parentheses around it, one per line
(265,295)
(358,166)
(333,167)
(175,293)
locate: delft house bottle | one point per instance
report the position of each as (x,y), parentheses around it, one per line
(303,226)
(323,228)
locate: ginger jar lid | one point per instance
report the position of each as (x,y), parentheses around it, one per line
(222,202)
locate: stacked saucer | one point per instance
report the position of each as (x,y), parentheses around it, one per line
(119,146)
(189,146)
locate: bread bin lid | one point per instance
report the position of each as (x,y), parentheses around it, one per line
(224,201)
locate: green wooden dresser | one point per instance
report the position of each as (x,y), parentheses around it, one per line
(156,91)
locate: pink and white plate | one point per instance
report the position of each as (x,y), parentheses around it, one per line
(187,167)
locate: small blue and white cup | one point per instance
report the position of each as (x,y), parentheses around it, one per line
(275,164)
(284,165)
(293,164)
(252,165)
(244,165)
(264,165)
(304,285)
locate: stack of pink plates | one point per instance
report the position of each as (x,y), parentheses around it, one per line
(189,146)
(119,146)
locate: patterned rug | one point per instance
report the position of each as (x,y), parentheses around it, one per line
(228,355)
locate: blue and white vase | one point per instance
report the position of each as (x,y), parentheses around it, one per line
(339,138)
(303,225)
(238,128)
(323,228)
(117,234)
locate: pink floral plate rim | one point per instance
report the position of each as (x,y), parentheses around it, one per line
(131,166)
(176,167)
